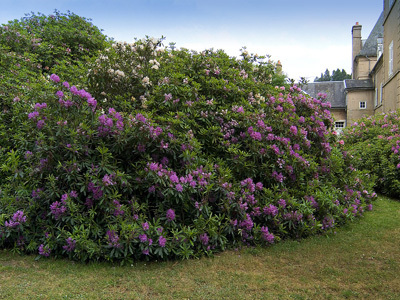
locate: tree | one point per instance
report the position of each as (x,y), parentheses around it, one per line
(337,75)
(340,75)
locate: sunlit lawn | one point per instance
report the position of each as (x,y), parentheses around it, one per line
(360,261)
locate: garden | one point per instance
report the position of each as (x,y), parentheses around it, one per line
(127,152)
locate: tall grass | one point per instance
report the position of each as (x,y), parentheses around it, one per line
(359,261)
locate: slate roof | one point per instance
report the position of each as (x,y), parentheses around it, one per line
(370,46)
(334,91)
(353,84)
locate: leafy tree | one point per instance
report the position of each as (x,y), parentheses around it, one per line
(340,75)
(337,75)
(55,39)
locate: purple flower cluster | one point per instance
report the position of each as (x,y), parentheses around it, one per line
(162,241)
(278,176)
(44,250)
(282,203)
(294,216)
(266,235)
(113,239)
(118,211)
(311,200)
(57,209)
(247,224)
(28,155)
(17,219)
(54,78)
(254,134)
(271,210)
(37,115)
(143,238)
(36,193)
(248,190)
(197,177)
(96,190)
(70,246)
(167,97)
(145,226)
(170,215)
(293,130)
(107,126)
(328,222)
(33,115)
(92,103)
(204,239)
(145,126)
(108,179)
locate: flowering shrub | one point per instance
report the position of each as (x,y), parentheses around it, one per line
(186,155)
(375,142)
(60,42)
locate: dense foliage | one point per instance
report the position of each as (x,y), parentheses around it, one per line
(375,142)
(166,153)
(55,39)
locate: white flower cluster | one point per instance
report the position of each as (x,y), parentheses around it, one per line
(155,64)
(117,74)
(259,98)
(146,81)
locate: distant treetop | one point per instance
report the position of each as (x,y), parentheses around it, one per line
(336,76)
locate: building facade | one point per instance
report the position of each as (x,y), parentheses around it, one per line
(375,84)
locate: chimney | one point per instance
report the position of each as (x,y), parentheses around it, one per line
(357,45)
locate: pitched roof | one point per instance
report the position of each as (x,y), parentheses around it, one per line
(354,84)
(370,46)
(334,91)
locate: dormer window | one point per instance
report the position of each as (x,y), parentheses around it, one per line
(379,49)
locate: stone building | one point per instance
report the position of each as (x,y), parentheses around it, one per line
(375,84)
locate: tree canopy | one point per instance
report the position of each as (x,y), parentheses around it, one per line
(337,75)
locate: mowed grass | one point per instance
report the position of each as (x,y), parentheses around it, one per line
(360,261)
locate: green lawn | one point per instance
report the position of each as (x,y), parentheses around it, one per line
(360,261)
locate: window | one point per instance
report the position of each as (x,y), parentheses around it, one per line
(339,124)
(376,97)
(363,105)
(379,48)
(391,58)
(381,94)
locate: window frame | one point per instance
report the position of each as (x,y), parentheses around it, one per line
(341,122)
(390,58)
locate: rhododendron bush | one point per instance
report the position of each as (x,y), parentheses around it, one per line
(375,144)
(171,154)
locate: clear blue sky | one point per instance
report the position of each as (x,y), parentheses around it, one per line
(307,36)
